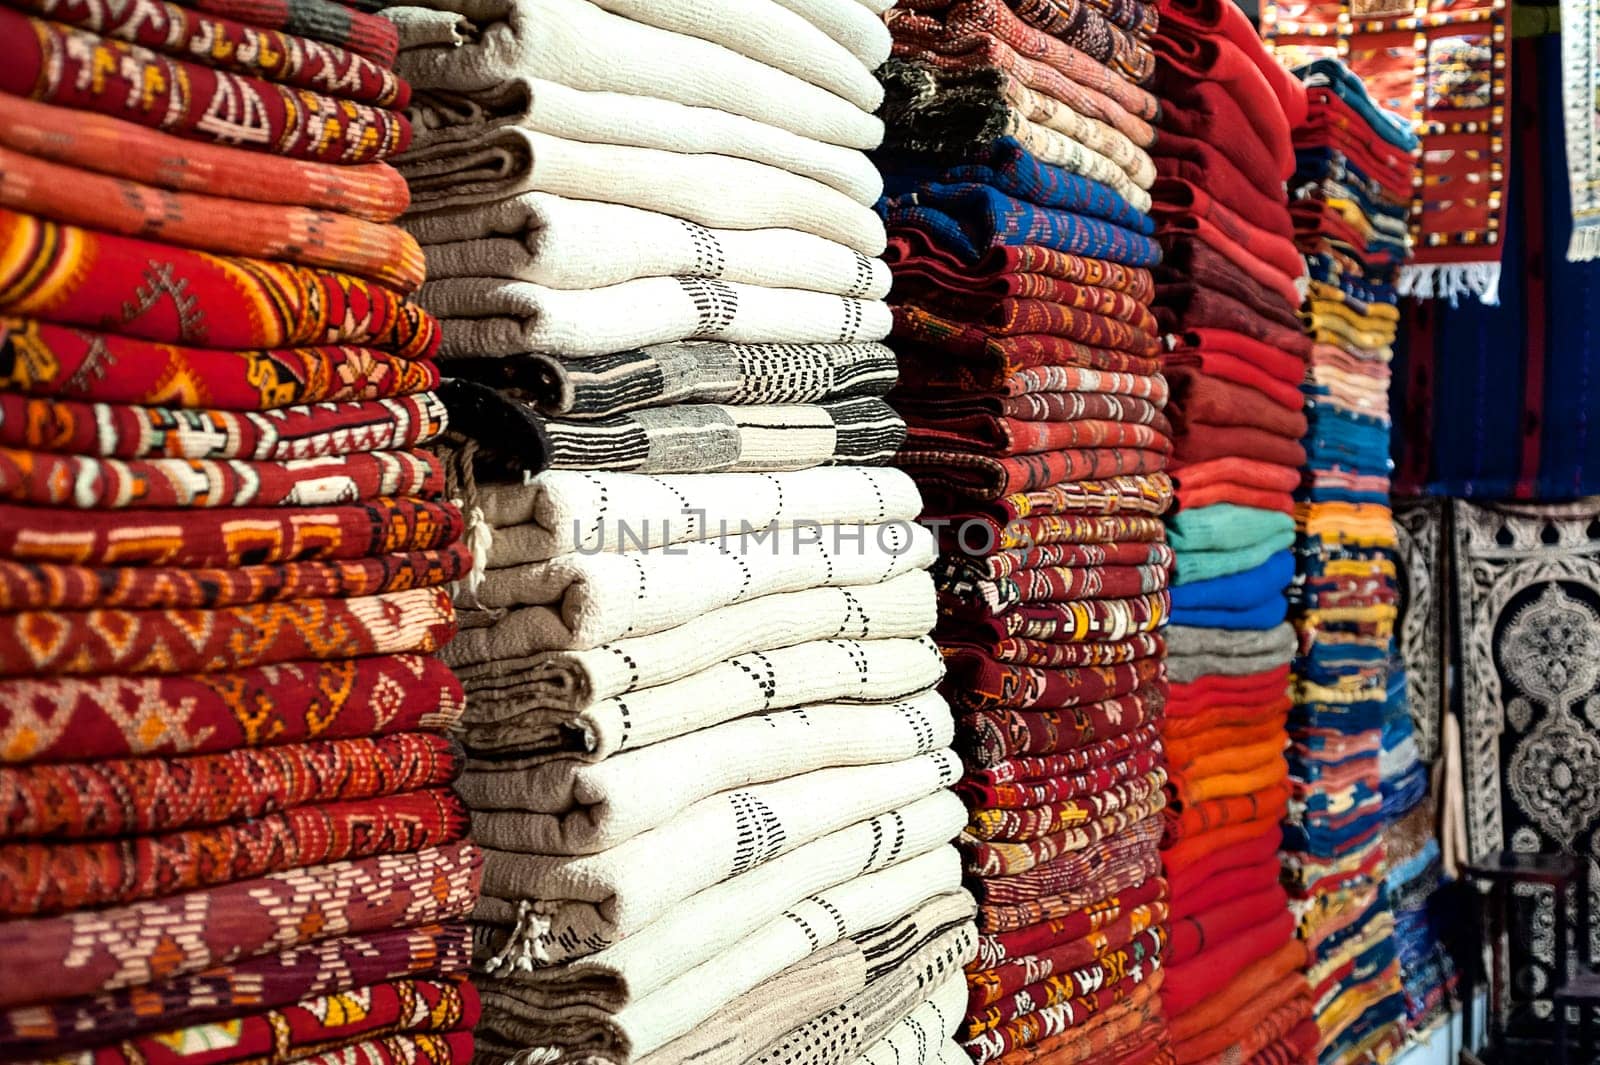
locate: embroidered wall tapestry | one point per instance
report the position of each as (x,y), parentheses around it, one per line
(1443,63)
(1580,102)
(1528,588)
(1420,633)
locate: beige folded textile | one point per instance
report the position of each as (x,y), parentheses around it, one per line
(904,971)
(573,807)
(815,985)
(490,316)
(922,1036)
(564,511)
(642,121)
(585,904)
(903,606)
(579,601)
(575,244)
(689,978)
(857,26)
(765,31)
(714,190)
(774,679)
(578,44)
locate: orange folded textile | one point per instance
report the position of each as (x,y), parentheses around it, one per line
(1266,1020)
(1227,759)
(1254,979)
(1100,1035)
(1186,754)
(1243,782)
(1196,849)
(1223,716)
(1185,821)
(119,148)
(297,235)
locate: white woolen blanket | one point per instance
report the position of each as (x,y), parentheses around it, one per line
(713,190)
(564,511)
(572,807)
(579,601)
(576,43)
(585,904)
(925,1034)
(578,244)
(443,117)
(775,679)
(490,316)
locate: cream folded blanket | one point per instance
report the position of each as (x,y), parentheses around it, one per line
(573,807)
(773,679)
(564,511)
(903,974)
(694,371)
(576,43)
(924,1035)
(579,601)
(765,31)
(577,244)
(571,680)
(490,316)
(818,984)
(714,190)
(857,26)
(712,920)
(442,117)
(585,904)
(563,1025)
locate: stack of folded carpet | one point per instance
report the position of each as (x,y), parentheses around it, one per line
(706,756)
(1350,197)
(1021,246)
(228,832)
(1228,292)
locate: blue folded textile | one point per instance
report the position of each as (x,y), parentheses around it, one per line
(1237,591)
(971,219)
(1352,90)
(1267,615)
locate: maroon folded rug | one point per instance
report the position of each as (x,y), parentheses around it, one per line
(993,736)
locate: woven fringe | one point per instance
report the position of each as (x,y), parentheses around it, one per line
(462,487)
(1585,244)
(1451,281)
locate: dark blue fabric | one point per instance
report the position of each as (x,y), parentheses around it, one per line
(1353,91)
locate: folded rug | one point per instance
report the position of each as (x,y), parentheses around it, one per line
(752,683)
(732,1035)
(299,235)
(45,479)
(1064,584)
(61,719)
(1194,653)
(488,316)
(985,478)
(1011,784)
(45,878)
(590,903)
(322,20)
(133,796)
(443,117)
(235,921)
(1096,620)
(226,537)
(1017,825)
(562,511)
(1017,270)
(298,432)
(449,1048)
(335,1020)
(712,190)
(570,807)
(1054,1019)
(972,219)
(54,63)
(978,683)
(1140,906)
(718,438)
(990,858)
(909,959)
(993,736)
(223,993)
(52,358)
(1061,655)
(567,1027)
(242,48)
(45,642)
(696,371)
(571,680)
(578,44)
(579,601)
(1066,986)
(923,1036)
(229,302)
(577,244)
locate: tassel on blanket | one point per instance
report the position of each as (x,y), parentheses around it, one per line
(1451,281)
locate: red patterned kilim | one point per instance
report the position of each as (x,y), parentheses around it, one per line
(46,878)
(454,1048)
(1025,1031)
(324,20)
(992,736)
(990,858)
(46,479)
(58,64)
(1060,655)
(243,536)
(69,275)
(122,796)
(1055,816)
(996,949)
(143,942)
(226,991)
(127,431)
(1065,985)
(986,435)
(64,719)
(44,642)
